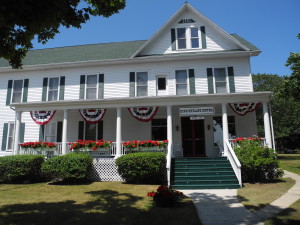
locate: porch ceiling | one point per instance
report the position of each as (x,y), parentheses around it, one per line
(174,100)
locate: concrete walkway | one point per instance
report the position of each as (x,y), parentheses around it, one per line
(221,207)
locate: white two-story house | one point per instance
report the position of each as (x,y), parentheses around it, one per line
(190,84)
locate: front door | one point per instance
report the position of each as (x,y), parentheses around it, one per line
(193,137)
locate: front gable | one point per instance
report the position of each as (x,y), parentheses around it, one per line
(189,31)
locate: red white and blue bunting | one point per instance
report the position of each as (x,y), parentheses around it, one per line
(144,114)
(243,108)
(42,117)
(92,116)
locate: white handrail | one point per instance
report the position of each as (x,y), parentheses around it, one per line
(235,163)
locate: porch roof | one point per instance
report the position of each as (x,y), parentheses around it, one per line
(173,100)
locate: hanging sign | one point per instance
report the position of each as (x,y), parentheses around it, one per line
(92,116)
(195,111)
(143,114)
(42,117)
(243,108)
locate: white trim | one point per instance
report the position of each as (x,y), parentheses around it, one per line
(12,90)
(58,88)
(156,84)
(187,80)
(226,77)
(136,83)
(97,86)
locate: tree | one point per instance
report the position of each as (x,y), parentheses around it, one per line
(23,20)
(292,86)
(285,110)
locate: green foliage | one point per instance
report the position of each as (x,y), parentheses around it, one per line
(70,168)
(22,21)
(21,168)
(258,163)
(285,110)
(142,167)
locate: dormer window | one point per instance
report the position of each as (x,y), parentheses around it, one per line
(194,37)
(181,38)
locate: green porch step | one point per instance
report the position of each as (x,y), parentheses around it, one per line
(206,186)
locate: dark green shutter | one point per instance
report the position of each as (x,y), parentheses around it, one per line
(4,136)
(62,88)
(80,130)
(101,86)
(8,95)
(210,80)
(42,132)
(45,85)
(173,39)
(22,132)
(231,79)
(82,86)
(132,84)
(203,37)
(100,130)
(192,81)
(59,131)
(25,90)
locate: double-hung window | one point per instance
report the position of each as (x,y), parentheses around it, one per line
(159,129)
(141,84)
(194,37)
(50,132)
(53,89)
(91,87)
(181,38)
(10,136)
(187,38)
(17,91)
(90,132)
(181,82)
(220,79)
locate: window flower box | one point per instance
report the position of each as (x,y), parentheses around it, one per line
(145,146)
(90,146)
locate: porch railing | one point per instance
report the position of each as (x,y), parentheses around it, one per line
(232,143)
(234,161)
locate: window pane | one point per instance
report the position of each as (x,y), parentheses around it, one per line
(91,81)
(142,91)
(91,93)
(53,83)
(90,132)
(16,97)
(52,95)
(142,78)
(221,87)
(181,89)
(194,32)
(181,43)
(17,91)
(180,33)
(220,74)
(159,129)
(195,43)
(181,76)
(10,138)
(161,83)
(18,84)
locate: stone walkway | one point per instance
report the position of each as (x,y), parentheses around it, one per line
(221,207)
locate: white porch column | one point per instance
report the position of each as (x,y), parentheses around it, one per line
(267,125)
(17,132)
(170,142)
(64,133)
(119,133)
(225,126)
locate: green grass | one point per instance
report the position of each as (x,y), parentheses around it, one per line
(290,162)
(258,195)
(96,203)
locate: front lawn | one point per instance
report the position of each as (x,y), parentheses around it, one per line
(290,162)
(95,203)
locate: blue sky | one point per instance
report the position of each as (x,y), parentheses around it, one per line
(271,25)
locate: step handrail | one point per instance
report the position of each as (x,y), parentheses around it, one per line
(235,163)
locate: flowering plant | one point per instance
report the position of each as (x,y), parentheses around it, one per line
(38,144)
(87,144)
(254,138)
(165,196)
(144,144)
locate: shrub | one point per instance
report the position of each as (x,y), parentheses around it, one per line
(70,168)
(21,168)
(142,167)
(166,197)
(258,162)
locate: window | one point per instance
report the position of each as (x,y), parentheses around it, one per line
(90,131)
(218,128)
(181,38)
(194,37)
(220,78)
(141,84)
(17,91)
(159,129)
(188,38)
(181,82)
(10,136)
(50,132)
(91,87)
(53,89)
(161,83)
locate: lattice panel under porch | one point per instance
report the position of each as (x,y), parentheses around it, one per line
(104,169)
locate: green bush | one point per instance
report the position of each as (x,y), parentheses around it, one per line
(142,167)
(21,168)
(70,168)
(258,163)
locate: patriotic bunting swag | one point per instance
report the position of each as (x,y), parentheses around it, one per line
(143,114)
(243,108)
(92,116)
(42,117)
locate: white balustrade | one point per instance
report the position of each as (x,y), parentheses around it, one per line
(235,163)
